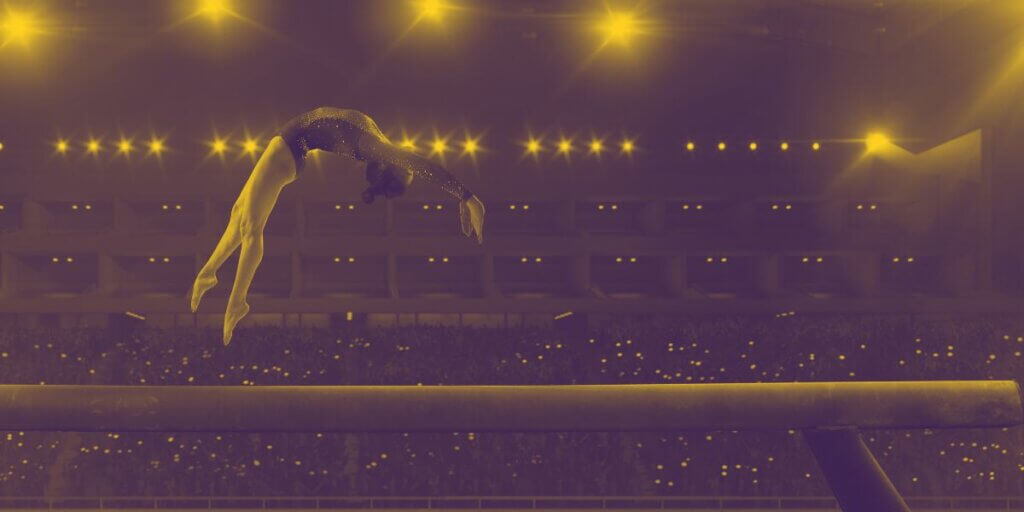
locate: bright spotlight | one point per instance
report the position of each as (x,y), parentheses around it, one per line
(596,146)
(62,146)
(618,27)
(439,146)
(432,9)
(250,146)
(470,146)
(721,146)
(124,146)
(156,146)
(690,146)
(876,141)
(627,146)
(214,9)
(784,146)
(408,143)
(18,27)
(565,146)
(92,146)
(753,146)
(816,146)
(218,146)
(533,146)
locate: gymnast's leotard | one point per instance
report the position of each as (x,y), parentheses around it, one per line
(338,131)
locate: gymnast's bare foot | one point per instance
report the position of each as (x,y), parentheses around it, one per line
(200,287)
(231,318)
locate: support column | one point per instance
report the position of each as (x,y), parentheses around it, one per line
(392,276)
(854,475)
(296,287)
(579,271)
(488,287)
(652,219)
(8,271)
(674,275)
(33,216)
(107,274)
(766,274)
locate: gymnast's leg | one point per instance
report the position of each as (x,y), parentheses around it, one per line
(274,170)
(229,241)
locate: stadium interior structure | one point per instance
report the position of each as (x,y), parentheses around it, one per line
(700,192)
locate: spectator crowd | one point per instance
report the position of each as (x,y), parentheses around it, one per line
(727,348)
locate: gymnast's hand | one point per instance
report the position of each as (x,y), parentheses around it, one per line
(471,217)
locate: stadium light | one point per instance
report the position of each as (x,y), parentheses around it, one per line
(250,146)
(439,146)
(432,9)
(627,146)
(876,141)
(92,146)
(19,27)
(218,146)
(156,146)
(596,146)
(215,9)
(618,27)
(532,146)
(565,146)
(470,147)
(124,146)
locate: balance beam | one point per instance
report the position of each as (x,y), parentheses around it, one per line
(631,407)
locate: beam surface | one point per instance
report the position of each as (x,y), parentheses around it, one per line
(631,407)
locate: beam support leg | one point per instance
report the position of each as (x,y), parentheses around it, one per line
(856,479)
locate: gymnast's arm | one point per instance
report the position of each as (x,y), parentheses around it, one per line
(471,209)
(372,148)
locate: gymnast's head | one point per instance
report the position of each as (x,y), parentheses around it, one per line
(385,180)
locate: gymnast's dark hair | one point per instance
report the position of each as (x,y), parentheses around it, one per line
(385,180)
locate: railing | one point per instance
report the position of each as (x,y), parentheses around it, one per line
(691,503)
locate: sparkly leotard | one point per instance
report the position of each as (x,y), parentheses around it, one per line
(339,130)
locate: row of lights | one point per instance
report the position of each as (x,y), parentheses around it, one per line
(349,207)
(620,259)
(613,206)
(809,259)
(124,147)
(66,259)
(782,207)
(339,259)
(154,259)
(711,259)
(525,259)
(433,259)
(168,207)
(220,146)
(86,206)
(907,259)
(522,207)
(615,27)
(437,206)
(752,146)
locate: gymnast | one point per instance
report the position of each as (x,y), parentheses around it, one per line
(389,170)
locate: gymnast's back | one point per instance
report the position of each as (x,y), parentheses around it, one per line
(328,129)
